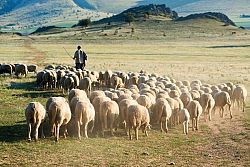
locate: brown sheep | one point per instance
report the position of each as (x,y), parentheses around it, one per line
(35,116)
(138,116)
(221,99)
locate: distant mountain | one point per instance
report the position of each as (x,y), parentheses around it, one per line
(209,15)
(229,7)
(140,12)
(31,14)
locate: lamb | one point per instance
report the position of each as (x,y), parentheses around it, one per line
(85,84)
(162,113)
(195,110)
(207,102)
(21,69)
(109,112)
(32,68)
(84,115)
(240,95)
(185,118)
(138,116)
(221,99)
(35,116)
(59,114)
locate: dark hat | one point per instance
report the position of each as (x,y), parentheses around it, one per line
(78,47)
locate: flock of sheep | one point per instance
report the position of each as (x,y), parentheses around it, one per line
(17,69)
(126,100)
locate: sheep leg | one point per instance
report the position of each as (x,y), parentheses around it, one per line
(193,122)
(161,126)
(129,132)
(111,124)
(92,123)
(136,132)
(57,129)
(36,129)
(196,123)
(244,105)
(78,130)
(145,130)
(65,131)
(186,127)
(86,130)
(29,132)
(210,114)
(165,122)
(42,131)
(230,110)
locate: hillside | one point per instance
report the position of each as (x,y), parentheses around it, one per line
(29,15)
(140,12)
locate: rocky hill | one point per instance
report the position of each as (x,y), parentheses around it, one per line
(210,15)
(140,12)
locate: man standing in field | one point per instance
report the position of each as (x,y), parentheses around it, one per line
(80,58)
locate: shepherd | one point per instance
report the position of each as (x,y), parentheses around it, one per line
(80,58)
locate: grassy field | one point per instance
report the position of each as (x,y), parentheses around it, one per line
(211,57)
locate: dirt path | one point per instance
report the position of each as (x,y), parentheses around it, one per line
(37,55)
(229,141)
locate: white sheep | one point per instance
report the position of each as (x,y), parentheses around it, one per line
(195,110)
(221,100)
(85,84)
(109,113)
(84,115)
(138,116)
(185,118)
(35,115)
(207,102)
(162,113)
(59,114)
(240,95)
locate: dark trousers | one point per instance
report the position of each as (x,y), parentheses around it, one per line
(79,66)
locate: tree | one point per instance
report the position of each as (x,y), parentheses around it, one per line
(129,17)
(84,22)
